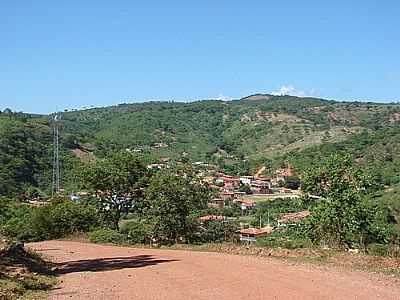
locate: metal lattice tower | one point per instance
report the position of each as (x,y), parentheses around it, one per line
(55,189)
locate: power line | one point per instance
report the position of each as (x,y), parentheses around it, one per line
(55,189)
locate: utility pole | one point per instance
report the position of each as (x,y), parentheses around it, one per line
(55,189)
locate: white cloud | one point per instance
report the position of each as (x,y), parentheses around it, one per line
(292,91)
(224,97)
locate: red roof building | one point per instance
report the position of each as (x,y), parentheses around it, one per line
(292,218)
(251,234)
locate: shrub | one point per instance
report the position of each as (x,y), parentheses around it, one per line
(19,229)
(291,238)
(378,249)
(215,231)
(68,217)
(107,236)
(136,232)
(297,243)
(50,221)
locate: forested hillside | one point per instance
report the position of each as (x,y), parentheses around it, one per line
(238,136)
(24,145)
(26,153)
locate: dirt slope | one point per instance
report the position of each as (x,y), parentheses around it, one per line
(91,271)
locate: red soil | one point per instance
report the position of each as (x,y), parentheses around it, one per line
(89,271)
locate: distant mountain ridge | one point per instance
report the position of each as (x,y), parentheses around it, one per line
(257,97)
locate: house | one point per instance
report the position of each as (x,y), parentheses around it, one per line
(228,182)
(261,186)
(216,202)
(211,218)
(293,218)
(245,204)
(156,166)
(246,179)
(239,194)
(227,196)
(250,235)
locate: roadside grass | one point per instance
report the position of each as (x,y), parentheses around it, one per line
(23,274)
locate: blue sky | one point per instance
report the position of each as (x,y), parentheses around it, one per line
(57,55)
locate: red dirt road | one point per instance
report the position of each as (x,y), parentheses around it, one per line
(89,271)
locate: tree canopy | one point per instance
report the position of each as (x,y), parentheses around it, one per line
(116,183)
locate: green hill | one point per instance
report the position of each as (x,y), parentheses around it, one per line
(236,135)
(250,128)
(253,128)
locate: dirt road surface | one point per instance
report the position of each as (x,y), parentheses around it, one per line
(89,271)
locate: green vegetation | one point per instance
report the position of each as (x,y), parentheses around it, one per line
(216,232)
(272,209)
(377,151)
(116,184)
(137,231)
(52,221)
(23,274)
(238,136)
(106,236)
(22,145)
(342,218)
(171,205)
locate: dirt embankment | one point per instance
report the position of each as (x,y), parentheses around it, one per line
(23,273)
(91,271)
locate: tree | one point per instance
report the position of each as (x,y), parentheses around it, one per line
(342,218)
(172,200)
(116,183)
(217,231)
(292,182)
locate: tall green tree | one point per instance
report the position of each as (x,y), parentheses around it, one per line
(172,201)
(116,183)
(342,218)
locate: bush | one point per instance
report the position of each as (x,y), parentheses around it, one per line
(136,232)
(378,249)
(292,182)
(51,221)
(19,229)
(68,217)
(215,231)
(291,238)
(297,243)
(107,236)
